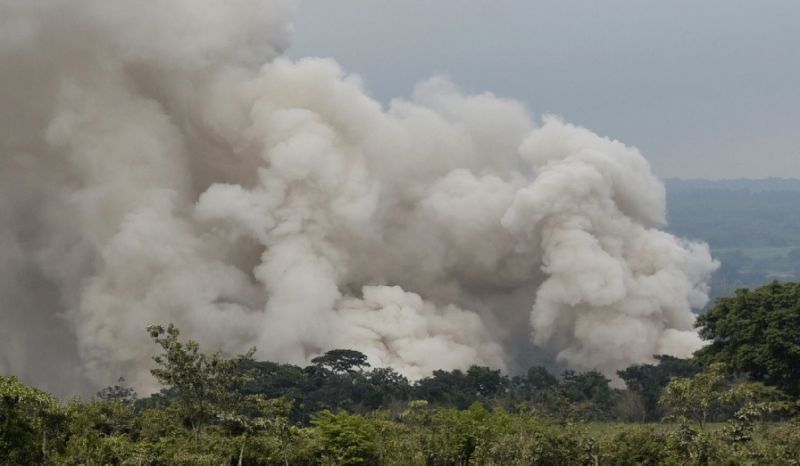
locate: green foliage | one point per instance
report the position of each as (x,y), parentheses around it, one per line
(539,378)
(589,393)
(317,387)
(29,419)
(458,436)
(346,439)
(254,415)
(100,432)
(119,392)
(648,380)
(713,392)
(447,389)
(201,383)
(385,386)
(112,432)
(633,446)
(342,360)
(757,333)
(698,397)
(238,411)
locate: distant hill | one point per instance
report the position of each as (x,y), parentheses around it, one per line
(752,226)
(676,185)
(736,213)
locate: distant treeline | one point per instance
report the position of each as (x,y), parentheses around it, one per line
(586,396)
(735,217)
(677,185)
(752,226)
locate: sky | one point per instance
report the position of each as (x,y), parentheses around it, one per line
(705,89)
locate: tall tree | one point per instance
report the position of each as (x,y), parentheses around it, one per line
(539,378)
(698,397)
(28,419)
(485,381)
(648,380)
(590,391)
(342,360)
(714,391)
(119,393)
(757,333)
(203,383)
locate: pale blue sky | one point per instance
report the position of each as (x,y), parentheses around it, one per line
(705,88)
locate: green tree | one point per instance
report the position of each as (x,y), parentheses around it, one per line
(255,415)
(753,402)
(698,397)
(757,333)
(386,385)
(590,393)
(119,392)
(637,447)
(446,388)
(347,439)
(342,360)
(201,383)
(101,432)
(485,381)
(539,378)
(29,418)
(648,380)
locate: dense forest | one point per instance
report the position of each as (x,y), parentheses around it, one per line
(735,402)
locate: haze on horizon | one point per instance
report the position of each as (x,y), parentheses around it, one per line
(703,89)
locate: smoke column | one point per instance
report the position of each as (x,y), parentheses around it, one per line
(165,164)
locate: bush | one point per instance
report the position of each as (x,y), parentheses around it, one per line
(636,446)
(347,439)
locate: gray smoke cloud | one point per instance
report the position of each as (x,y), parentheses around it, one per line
(166,164)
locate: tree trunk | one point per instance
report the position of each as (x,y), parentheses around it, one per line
(241,450)
(196,430)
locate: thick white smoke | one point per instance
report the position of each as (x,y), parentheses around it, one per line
(165,164)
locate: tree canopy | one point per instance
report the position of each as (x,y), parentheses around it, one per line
(342,360)
(648,380)
(756,333)
(222,410)
(217,409)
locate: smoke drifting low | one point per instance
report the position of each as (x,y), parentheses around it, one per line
(166,164)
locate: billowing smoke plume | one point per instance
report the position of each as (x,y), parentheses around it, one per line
(164,164)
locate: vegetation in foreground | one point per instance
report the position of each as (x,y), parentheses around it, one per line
(734,403)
